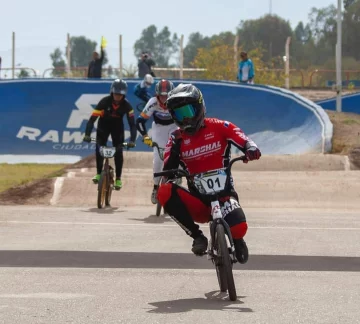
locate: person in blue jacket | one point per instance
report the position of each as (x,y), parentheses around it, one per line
(141,89)
(246,71)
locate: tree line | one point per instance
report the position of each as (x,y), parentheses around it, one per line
(312,42)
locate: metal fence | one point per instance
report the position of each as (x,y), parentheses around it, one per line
(298,78)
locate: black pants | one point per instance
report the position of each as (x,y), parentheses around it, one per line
(117,137)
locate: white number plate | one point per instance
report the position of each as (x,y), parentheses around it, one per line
(107,152)
(211,182)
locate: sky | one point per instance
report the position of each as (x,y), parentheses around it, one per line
(42,25)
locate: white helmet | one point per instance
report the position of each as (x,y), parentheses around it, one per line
(148,80)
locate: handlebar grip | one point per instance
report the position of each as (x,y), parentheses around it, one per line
(166,173)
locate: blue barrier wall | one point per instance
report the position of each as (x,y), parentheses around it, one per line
(350,103)
(49,116)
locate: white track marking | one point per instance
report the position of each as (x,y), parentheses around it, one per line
(71,174)
(46,295)
(174,225)
(57,190)
(347,163)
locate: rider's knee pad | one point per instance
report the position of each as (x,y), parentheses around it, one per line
(238,231)
(164,193)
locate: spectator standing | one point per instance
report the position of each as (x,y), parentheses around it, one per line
(145,65)
(95,66)
(246,71)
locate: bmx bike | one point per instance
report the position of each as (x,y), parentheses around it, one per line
(106,182)
(221,249)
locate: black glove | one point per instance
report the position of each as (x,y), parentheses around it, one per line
(252,153)
(87,138)
(131,144)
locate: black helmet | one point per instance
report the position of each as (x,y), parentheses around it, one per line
(187,107)
(163,87)
(119,87)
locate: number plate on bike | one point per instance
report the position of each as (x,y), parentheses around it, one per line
(107,152)
(210,182)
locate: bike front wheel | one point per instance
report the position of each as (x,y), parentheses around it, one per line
(224,264)
(102,189)
(110,184)
(158,209)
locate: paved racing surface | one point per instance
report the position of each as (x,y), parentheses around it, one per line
(122,265)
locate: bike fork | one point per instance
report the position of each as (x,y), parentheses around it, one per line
(218,219)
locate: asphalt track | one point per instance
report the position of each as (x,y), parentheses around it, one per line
(124,265)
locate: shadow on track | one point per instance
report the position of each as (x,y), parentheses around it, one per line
(213,300)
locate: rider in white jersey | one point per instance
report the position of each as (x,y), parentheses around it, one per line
(162,126)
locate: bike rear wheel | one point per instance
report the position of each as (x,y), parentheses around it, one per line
(224,267)
(102,188)
(110,184)
(158,205)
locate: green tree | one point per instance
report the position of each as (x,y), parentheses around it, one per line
(351,31)
(348,3)
(58,62)
(301,46)
(81,49)
(218,60)
(23,74)
(302,33)
(322,22)
(268,32)
(161,44)
(196,41)
(225,38)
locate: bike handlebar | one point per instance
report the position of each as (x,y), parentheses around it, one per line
(125,144)
(161,154)
(179,173)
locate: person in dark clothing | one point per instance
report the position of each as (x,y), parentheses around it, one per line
(95,66)
(145,65)
(111,110)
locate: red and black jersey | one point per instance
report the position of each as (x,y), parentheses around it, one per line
(111,116)
(208,149)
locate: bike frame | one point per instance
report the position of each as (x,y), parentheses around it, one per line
(107,167)
(106,159)
(160,151)
(217,219)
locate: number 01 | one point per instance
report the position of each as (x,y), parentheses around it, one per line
(210,183)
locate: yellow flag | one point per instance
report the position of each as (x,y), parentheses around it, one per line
(103,42)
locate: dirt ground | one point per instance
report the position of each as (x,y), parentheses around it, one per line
(346,136)
(315,95)
(37,192)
